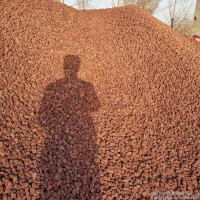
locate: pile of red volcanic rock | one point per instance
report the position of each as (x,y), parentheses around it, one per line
(100,104)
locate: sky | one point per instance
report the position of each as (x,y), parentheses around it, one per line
(162,12)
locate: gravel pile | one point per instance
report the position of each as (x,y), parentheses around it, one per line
(100,104)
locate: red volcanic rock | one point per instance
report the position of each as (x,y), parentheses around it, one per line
(32,190)
(98,104)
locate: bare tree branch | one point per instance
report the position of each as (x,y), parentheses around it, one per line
(148,5)
(82,4)
(179,14)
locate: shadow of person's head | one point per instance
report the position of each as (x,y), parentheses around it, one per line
(71,65)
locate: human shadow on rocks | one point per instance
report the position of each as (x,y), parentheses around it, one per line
(67,167)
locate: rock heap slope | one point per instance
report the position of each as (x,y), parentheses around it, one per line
(99,104)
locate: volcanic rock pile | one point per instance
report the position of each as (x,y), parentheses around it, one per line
(100,104)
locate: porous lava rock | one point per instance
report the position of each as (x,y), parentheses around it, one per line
(98,104)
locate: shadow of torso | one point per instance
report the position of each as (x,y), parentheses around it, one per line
(67,163)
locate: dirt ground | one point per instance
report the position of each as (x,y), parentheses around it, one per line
(99,104)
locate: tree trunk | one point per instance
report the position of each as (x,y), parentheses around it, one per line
(196,23)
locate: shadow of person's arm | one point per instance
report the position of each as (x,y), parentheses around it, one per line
(46,111)
(92,99)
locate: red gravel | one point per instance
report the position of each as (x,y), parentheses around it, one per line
(100,104)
